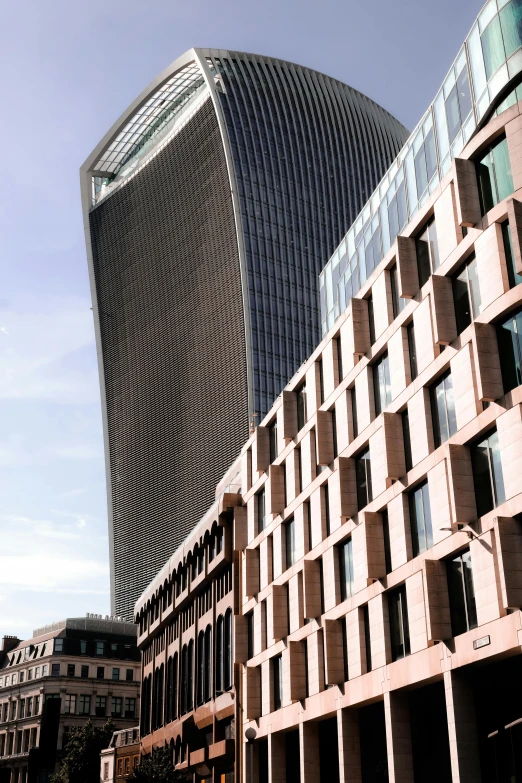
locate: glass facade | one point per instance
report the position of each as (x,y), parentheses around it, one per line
(489,59)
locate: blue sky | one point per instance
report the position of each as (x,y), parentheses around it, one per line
(68,71)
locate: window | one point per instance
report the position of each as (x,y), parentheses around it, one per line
(84,704)
(334,433)
(99,648)
(129,675)
(461,594)
(227,657)
(367,638)
(301,406)
(382,384)
(83,647)
(387,543)
(100,672)
(427,252)
(420,519)
(117,706)
(85,672)
(277,675)
(272,433)
(513,276)
(458,104)
(250,635)
(371,319)
(261,510)
(290,543)
(21,711)
(120,767)
(466,295)
(299,469)
(443,409)
(398,302)
(321,380)
(487,473)
(494,175)
(58,645)
(106,770)
(339,351)
(45,671)
(101,706)
(346,569)
(363,476)
(36,705)
(69,706)
(412,348)
(353,400)
(71,670)
(55,670)
(509,337)
(399,628)
(407,439)
(115,674)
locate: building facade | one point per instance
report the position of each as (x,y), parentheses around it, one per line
(377,538)
(75,670)
(210,208)
(120,759)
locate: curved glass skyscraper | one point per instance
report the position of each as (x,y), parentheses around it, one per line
(210,208)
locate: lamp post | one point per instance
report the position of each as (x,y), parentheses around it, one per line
(250,735)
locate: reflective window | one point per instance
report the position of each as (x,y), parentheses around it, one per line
(261,510)
(382,384)
(346,569)
(277,677)
(509,337)
(407,439)
(494,175)
(487,474)
(398,302)
(458,104)
(363,475)
(427,252)
(443,409)
(272,432)
(466,295)
(420,519)
(301,406)
(461,594)
(399,627)
(412,348)
(513,276)
(290,543)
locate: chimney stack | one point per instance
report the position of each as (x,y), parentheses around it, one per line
(9,643)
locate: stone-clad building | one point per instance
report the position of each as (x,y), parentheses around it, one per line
(375,539)
(67,673)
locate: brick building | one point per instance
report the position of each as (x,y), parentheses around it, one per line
(120,759)
(67,673)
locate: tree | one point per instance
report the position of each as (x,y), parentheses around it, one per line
(158,768)
(81,758)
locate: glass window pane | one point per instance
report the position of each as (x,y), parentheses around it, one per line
(469,591)
(496,469)
(431,154)
(502,164)
(509,337)
(514,277)
(493,47)
(482,478)
(453,113)
(421,172)
(511,23)
(461,301)
(464,93)
(459,622)
(474,289)
(486,183)
(427,515)
(423,258)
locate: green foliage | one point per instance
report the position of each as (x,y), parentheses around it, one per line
(157,768)
(81,758)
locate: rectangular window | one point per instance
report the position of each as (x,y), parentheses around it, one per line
(84,672)
(509,338)
(398,302)
(101,706)
(277,674)
(272,432)
(427,252)
(355,424)
(58,645)
(443,409)
(71,670)
(382,383)
(363,477)
(250,635)
(83,647)
(21,711)
(299,469)
(326,501)
(321,380)
(345,551)
(466,295)
(513,276)
(334,433)
(367,638)
(407,439)
(99,648)
(461,594)
(387,546)
(412,349)
(117,707)
(290,543)
(84,704)
(115,674)
(301,406)
(69,705)
(420,519)
(130,708)
(494,175)
(321,582)
(399,628)
(55,670)
(100,672)
(261,510)
(371,319)
(129,675)
(339,349)
(487,473)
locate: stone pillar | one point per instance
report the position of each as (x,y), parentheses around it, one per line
(349,746)
(462,729)
(309,752)
(276,758)
(398,737)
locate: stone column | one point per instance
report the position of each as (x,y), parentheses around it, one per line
(462,729)
(349,746)
(398,737)
(309,752)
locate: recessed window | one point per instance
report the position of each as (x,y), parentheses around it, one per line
(487,473)
(290,543)
(382,384)
(466,295)
(84,703)
(387,542)
(99,648)
(494,175)
(420,519)
(84,672)
(353,400)
(399,628)
(301,406)
(116,674)
(461,594)
(58,645)
(513,276)
(407,439)
(321,380)
(69,706)
(261,510)
(427,252)
(412,348)
(71,670)
(100,672)
(55,671)
(367,637)
(398,303)
(371,319)
(129,675)
(509,337)
(277,675)
(363,477)
(117,706)
(346,569)
(272,432)
(101,706)
(339,351)
(443,409)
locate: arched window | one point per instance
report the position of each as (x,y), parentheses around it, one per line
(207,691)
(184,654)
(175,686)
(177,752)
(219,654)
(190,675)
(227,651)
(201,669)
(159,696)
